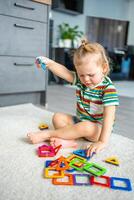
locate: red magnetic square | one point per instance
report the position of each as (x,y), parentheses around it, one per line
(94,182)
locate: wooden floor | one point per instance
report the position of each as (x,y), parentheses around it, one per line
(62,99)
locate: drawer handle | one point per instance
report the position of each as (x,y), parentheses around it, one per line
(20,26)
(22,6)
(23,64)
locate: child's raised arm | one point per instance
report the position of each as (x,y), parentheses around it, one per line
(58,69)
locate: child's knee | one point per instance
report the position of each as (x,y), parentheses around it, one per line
(60,120)
(89,129)
(56,117)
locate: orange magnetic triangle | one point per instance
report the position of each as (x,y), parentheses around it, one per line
(62,164)
(56,149)
(112,160)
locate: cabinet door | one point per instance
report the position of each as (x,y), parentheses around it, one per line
(24,9)
(19,74)
(22,37)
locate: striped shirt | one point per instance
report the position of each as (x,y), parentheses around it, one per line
(91,102)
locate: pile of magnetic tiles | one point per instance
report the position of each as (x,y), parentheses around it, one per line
(62,170)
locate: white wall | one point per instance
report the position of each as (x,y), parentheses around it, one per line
(131,19)
(115,9)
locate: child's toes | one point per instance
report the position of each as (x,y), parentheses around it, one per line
(52,139)
(28,135)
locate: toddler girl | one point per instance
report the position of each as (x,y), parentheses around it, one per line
(96,99)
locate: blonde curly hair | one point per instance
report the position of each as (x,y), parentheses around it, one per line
(86,48)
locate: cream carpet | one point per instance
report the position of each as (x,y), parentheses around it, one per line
(21,170)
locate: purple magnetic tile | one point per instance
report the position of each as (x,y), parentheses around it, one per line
(81,175)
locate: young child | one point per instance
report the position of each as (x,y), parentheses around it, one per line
(96,99)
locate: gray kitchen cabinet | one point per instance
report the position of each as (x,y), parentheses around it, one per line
(24,9)
(23,36)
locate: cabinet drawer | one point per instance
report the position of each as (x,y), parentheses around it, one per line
(22,37)
(19,74)
(24,9)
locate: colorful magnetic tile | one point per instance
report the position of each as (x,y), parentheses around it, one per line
(81,175)
(62,164)
(39,62)
(43,126)
(43,66)
(78,162)
(126,181)
(74,164)
(93,181)
(94,169)
(112,160)
(56,181)
(46,151)
(60,173)
(56,149)
(71,157)
(54,162)
(47,163)
(70,169)
(82,153)
(46,147)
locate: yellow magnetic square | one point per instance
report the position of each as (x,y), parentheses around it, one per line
(60,173)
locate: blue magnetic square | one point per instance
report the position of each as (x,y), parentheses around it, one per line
(81,183)
(47,163)
(125,180)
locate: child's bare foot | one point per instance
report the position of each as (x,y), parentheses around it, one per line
(38,137)
(63,142)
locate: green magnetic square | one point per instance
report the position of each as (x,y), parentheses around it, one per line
(101,170)
(73,161)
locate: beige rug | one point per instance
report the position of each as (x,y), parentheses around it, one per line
(21,170)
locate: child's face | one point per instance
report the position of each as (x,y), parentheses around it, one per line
(90,72)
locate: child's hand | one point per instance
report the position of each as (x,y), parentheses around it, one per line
(44,60)
(95,148)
